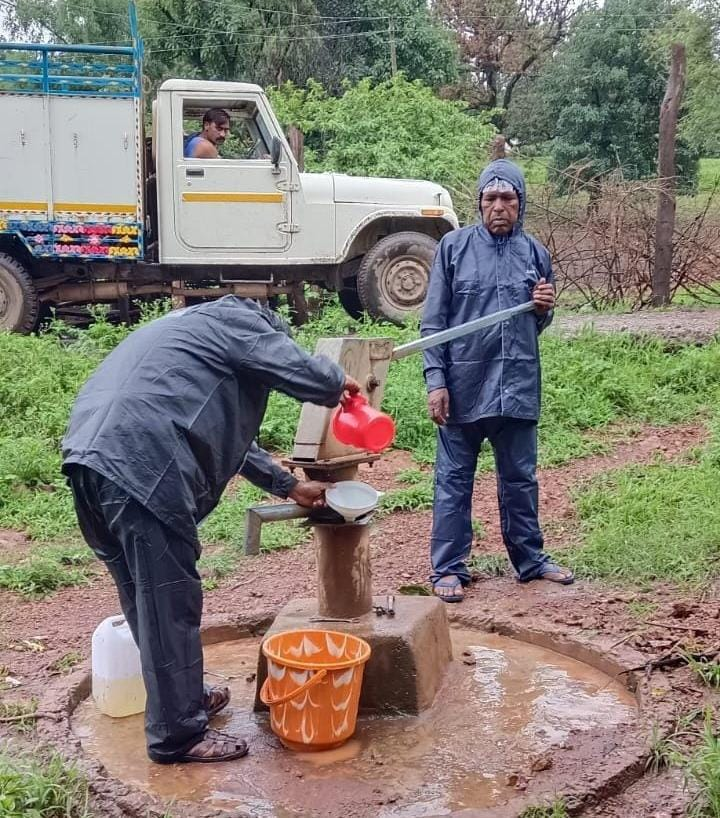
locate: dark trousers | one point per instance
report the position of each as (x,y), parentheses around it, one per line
(514,444)
(161,597)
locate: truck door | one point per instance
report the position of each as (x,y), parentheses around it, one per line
(238,201)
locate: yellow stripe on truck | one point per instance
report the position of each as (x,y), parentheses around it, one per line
(233,197)
(84,207)
(23,205)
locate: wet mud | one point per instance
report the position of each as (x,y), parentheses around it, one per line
(505,707)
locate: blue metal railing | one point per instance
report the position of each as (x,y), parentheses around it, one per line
(43,68)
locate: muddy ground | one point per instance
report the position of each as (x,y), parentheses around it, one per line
(36,634)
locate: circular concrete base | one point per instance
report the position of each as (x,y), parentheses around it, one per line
(514,724)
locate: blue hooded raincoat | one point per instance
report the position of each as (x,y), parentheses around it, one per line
(493,380)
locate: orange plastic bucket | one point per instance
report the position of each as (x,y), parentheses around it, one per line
(313,686)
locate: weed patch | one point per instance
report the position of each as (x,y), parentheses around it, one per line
(21,714)
(47,787)
(47,569)
(555,810)
(416,497)
(659,522)
(489,565)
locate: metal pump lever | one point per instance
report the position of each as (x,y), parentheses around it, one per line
(459,331)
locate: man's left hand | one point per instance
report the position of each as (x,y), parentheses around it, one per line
(543,296)
(309,493)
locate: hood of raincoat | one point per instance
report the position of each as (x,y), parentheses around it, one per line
(509,172)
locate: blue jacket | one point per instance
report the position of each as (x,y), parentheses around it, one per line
(171,414)
(496,371)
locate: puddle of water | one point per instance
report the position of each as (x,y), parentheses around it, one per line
(501,703)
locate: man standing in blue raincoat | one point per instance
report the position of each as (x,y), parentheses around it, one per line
(486,386)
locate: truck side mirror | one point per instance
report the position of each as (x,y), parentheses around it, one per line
(275,152)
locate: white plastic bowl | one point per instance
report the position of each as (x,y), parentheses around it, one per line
(352,498)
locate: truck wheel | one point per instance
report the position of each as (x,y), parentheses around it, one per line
(350,299)
(19,303)
(393,276)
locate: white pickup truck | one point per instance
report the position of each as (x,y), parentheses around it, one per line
(93,211)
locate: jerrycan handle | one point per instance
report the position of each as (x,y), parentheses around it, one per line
(117,621)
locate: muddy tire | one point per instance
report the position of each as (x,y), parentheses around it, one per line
(350,299)
(393,276)
(19,303)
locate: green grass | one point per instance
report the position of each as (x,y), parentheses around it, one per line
(696,752)
(41,787)
(48,568)
(708,174)
(707,671)
(591,384)
(415,497)
(489,565)
(702,772)
(554,810)
(644,523)
(21,715)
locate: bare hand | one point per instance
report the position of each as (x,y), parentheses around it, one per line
(352,387)
(309,493)
(439,405)
(543,296)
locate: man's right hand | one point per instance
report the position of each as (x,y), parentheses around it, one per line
(352,387)
(439,406)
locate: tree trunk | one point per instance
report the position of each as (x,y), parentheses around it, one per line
(665,221)
(296,138)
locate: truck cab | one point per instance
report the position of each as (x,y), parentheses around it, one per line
(89,214)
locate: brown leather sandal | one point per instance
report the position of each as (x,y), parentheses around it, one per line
(215,746)
(215,700)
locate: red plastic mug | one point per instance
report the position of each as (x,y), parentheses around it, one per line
(357,424)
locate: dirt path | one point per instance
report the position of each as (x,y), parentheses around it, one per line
(682,325)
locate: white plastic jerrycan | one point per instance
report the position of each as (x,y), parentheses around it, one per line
(117,684)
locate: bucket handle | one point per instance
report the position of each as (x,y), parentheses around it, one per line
(311,682)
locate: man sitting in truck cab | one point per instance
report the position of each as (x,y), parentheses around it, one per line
(215,128)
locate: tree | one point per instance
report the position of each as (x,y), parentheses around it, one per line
(700,33)
(265,42)
(62,21)
(503,41)
(603,92)
(393,128)
(361,43)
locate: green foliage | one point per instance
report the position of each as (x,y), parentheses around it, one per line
(555,810)
(98,21)
(700,124)
(702,772)
(41,787)
(649,523)
(47,569)
(361,48)
(603,91)
(416,497)
(394,128)
(21,714)
(709,174)
(706,670)
(411,477)
(489,565)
